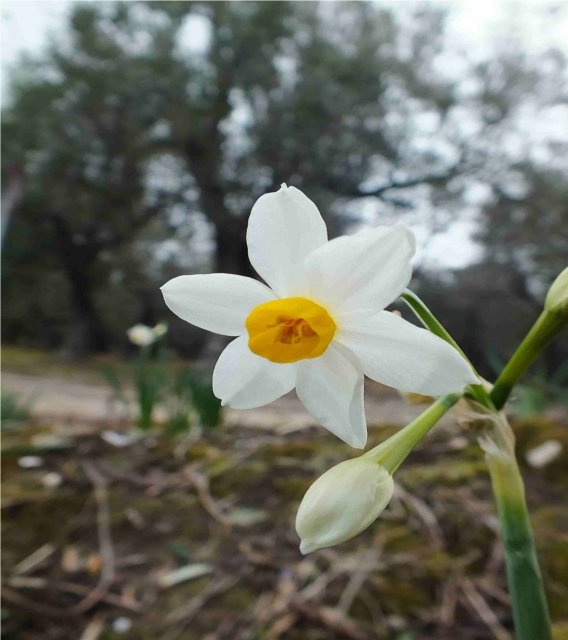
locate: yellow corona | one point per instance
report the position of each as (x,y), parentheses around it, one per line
(289,329)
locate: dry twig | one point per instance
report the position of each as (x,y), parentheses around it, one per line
(201,484)
(100,592)
(70,587)
(484,611)
(105,540)
(94,628)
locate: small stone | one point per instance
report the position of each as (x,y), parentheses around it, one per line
(52,480)
(31,462)
(122,625)
(119,440)
(544,454)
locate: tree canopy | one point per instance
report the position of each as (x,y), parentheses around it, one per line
(148,124)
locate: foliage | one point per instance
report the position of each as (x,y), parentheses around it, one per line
(185,395)
(134,141)
(191,394)
(536,395)
(15,409)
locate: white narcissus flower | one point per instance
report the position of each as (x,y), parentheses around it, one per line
(343,502)
(321,326)
(141,335)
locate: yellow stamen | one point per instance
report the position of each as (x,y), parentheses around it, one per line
(289,330)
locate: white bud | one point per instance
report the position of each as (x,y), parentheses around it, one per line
(342,503)
(557,297)
(141,335)
(160,330)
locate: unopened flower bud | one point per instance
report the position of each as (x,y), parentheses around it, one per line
(557,297)
(343,502)
(160,330)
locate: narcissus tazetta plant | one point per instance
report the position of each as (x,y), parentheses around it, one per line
(320,324)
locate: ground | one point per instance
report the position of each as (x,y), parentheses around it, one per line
(194,538)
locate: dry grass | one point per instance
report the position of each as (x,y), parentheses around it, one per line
(103,545)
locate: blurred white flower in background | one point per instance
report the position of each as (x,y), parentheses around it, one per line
(321,326)
(143,336)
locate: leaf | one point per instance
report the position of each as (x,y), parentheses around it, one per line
(183,574)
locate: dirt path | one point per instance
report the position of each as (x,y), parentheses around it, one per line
(63,397)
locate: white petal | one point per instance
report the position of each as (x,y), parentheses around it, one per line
(400,355)
(244,380)
(331,389)
(342,503)
(284,227)
(218,302)
(363,273)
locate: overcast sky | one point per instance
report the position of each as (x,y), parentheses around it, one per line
(473,27)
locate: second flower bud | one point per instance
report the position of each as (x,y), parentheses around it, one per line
(343,502)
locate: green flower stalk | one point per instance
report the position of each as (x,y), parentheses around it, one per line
(530,609)
(549,325)
(428,319)
(528,599)
(149,377)
(391,453)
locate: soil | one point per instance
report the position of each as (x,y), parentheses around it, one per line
(193,538)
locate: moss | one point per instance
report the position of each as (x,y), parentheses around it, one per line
(444,471)
(410,572)
(405,597)
(293,487)
(560,631)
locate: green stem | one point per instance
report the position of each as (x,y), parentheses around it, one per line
(528,599)
(392,452)
(530,610)
(431,322)
(544,330)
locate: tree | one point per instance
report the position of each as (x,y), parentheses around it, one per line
(81,122)
(278,96)
(133,131)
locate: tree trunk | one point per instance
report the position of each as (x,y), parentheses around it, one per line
(231,253)
(88,332)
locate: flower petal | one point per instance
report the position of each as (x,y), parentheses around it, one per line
(243,380)
(400,355)
(284,227)
(218,302)
(331,389)
(363,273)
